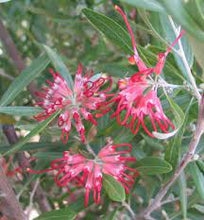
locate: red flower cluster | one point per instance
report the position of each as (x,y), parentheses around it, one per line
(80,170)
(85,97)
(137,97)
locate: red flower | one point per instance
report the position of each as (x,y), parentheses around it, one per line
(137,97)
(78,169)
(86,96)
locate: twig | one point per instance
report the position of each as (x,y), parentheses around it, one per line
(156,203)
(9,205)
(185,62)
(89,149)
(11,48)
(29,208)
(127,206)
(6,75)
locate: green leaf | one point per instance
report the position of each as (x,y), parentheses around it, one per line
(183,194)
(20,110)
(36,146)
(200,164)
(198,48)
(40,127)
(48,155)
(179,119)
(59,65)
(152,166)
(111,29)
(200,208)
(170,35)
(174,147)
(151,5)
(198,178)
(113,188)
(61,214)
(184,13)
(24,79)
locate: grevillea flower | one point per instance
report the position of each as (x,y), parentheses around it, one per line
(88,173)
(85,97)
(137,98)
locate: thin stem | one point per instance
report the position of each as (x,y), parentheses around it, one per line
(185,62)
(127,206)
(89,149)
(3,74)
(156,203)
(32,196)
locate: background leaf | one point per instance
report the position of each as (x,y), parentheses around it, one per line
(112,30)
(24,79)
(59,65)
(113,188)
(20,110)
(152,166)
(179,119)
(183,194)
(198,178)
(178,9)
(151,5)
(61,214)
(40,127)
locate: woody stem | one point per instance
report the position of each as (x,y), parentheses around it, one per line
(156,203)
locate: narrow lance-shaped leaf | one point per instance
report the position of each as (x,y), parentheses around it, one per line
(24,79)
(59,65)
(198,178)
(153,166)
(174,147)
(40,127)
(183,194)
(179,119)
(20,110)
(200,164)
(61,214)
(177,9)
(151,5)
(113,188)
(35,146)
(111,29)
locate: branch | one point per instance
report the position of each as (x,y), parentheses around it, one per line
(156,203)
(9,205)
(11,48)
